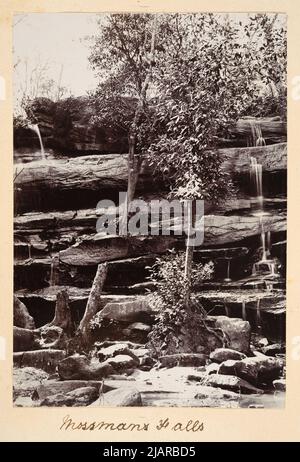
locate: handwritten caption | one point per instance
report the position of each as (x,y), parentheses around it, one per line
(192,426)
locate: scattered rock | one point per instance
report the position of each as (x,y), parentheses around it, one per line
(79,367)
(257,370)
(263,342)
(78,397)
(223,354)
(279,384)
(114,350)
(274,349)
(183,359)
(21,316)
(123,363)
(23,339)
(119,397)
(41,359)
(232,383)
(219,393)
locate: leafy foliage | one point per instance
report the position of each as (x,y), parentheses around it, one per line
(169,297)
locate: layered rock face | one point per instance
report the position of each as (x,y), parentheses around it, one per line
(58,247)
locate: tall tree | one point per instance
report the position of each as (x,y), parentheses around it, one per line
(124,55)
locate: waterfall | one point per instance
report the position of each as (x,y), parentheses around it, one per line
(29,251)
(244,314)
(263,240)
(54,271)
(226,310)
(256,133)
(228,279)
(36,129)
(258,317)
(256,181)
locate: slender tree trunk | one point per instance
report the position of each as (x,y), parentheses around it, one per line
(189,253)
(93,304)
(134,160)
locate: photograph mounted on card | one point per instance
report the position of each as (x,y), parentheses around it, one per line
(149,262)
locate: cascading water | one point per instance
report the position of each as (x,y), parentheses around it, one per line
(256,181)
(258,317)
(265,265)
(244,313)
(54,271)
(228,279)
(29,251)
(36,129)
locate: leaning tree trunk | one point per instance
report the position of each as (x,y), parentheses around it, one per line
(134,159)
(92,307)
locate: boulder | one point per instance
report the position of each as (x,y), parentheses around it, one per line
(183,359)
(78,397)
(137,331)
(257,370)
(53,387)
(21,316)
(79,367)
(232,383)
(223,354)
(46,360)
(119,397)
(123,363)
(279,384)
(127,311)
(26,380)
(24,339)
(114,350)
(274,349)
(237,331)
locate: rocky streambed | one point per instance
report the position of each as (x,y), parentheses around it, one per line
(127,377)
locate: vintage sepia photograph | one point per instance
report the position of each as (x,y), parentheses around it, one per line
(150,203)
